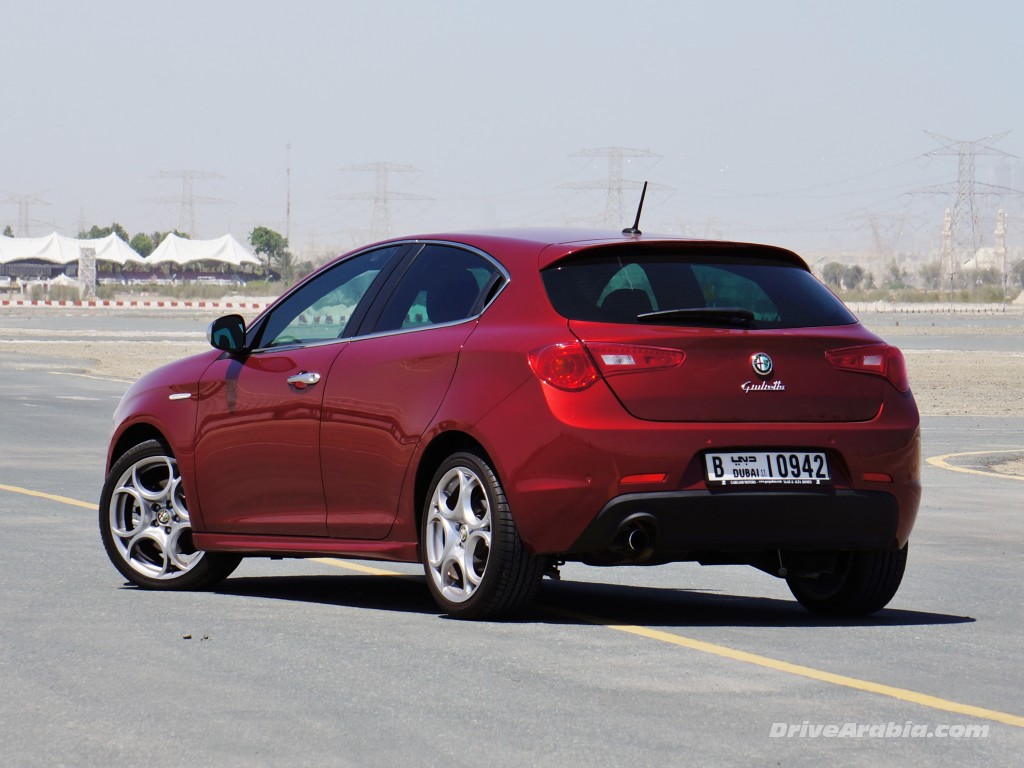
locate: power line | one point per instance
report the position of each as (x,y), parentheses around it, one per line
(382,195)
(962,232)
(187,218)
(24,202)
(616,184)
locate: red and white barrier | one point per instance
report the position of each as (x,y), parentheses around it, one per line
(137,304)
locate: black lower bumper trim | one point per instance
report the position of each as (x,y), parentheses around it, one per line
(701,521)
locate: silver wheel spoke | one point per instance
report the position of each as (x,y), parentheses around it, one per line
(136,524)
(443,536)
(154,561)
(177,558)
(151,494)
(478,543)
(473,506)
(453,576)
(466,487)
(176,499)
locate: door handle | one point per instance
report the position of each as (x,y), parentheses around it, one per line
(304,379)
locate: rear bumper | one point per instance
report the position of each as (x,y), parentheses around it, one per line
(580,466)
(679,523)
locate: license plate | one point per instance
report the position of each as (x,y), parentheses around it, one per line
(766,468)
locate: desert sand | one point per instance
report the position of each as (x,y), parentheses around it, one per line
(951,377)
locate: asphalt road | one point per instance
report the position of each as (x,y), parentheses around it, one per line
(313,663)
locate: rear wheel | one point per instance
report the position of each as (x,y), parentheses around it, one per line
(858,583)
(145,525)
(475,562)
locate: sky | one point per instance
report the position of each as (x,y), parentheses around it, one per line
(827,127)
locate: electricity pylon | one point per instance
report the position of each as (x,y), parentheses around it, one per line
(615,208)
(187,219)
(965,233)
(23,202)
(382,195)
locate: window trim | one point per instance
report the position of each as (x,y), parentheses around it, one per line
(367,314)
(375,310)
(256,330)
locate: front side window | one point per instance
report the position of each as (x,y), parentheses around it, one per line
(322,308)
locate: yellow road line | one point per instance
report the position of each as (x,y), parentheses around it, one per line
(941,463)
(902,694)
(91,376)
(49,496)
(359,567)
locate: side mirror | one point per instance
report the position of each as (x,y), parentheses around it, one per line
(227,333)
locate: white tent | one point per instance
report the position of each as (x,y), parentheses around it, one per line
(112,248)
(181,251)
(58,249)
(54,248)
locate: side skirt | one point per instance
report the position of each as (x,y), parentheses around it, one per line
(299,546)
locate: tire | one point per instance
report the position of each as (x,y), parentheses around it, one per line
(860,583)
(145,526)
(474,560)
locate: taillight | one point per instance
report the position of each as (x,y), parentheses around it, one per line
(564,366)
(879,359)
(575,365)
(630,358)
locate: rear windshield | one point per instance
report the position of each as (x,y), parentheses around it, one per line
(704,291)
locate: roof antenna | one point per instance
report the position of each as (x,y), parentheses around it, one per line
(634,230)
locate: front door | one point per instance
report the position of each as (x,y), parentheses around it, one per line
(257,442)
(258,427)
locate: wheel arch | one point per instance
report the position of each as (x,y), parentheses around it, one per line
(440,448)
(132,436)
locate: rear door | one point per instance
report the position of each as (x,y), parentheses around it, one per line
(386,388)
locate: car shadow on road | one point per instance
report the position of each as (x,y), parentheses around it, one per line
(406,594)
(585,602)
(568,602)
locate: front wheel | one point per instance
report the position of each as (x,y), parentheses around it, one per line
(858,583)
(475,562)
(145,525)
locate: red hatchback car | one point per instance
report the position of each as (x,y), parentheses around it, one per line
(492,404)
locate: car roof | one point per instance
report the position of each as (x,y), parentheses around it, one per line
(538,248)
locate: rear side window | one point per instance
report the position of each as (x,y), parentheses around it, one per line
(620,288)
(443,285)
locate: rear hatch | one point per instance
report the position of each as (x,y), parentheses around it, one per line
(717,380)
(754,326)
